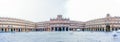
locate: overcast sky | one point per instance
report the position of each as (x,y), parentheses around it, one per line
(43,10)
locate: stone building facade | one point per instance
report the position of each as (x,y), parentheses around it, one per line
(107,23)
(15,25)
(59,23)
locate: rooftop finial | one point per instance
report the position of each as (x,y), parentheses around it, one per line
(59,16)
(108,15)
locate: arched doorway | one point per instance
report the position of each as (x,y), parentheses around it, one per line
(2,30)
(59,29)
(67,29)
(107,28)
(55,28)
(19,29)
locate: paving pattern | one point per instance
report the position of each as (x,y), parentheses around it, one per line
(59,37)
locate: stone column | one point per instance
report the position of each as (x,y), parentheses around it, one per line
(64,28)
(105,29)
(61,28)
(98,29)
(53,28)
(57,28)
(43,29)
(0,29)
(13,30)
(20,30)
(3,29)
(6,29)
(67,28)
(10,29)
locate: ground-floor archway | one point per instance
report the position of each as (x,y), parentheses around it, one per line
(59,29)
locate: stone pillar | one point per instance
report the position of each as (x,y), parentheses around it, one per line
(68,29)
(0,30)
(105,29)
(57,28)
(53,28)
(65,28)
(20,29)
(6,29)
(9,29)
(98,29)
(13,29)
(88,29)
(32,29)
(61,29)
(114,29)
(41,29)
(23,29)
(3,29)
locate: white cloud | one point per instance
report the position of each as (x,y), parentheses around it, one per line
(84,10)
(42,10)
(33,10)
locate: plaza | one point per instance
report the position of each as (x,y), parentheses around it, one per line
(59,37)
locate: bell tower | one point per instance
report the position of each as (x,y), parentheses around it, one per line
(59,16)
(107,23)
